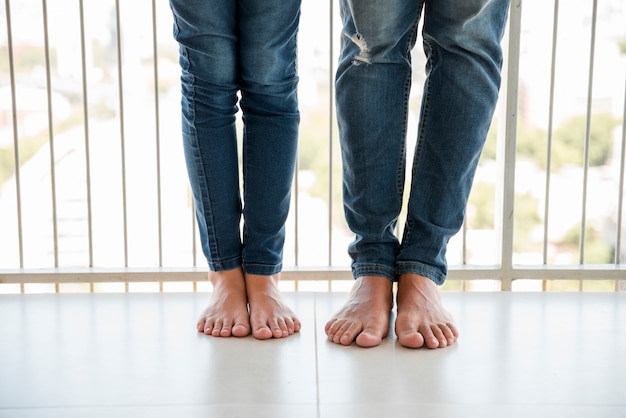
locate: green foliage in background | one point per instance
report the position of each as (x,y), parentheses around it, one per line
(568,142)
(596,251)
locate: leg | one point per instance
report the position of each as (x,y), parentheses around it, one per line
(206,31)
(372,87)
(462,43)
(373,82)
(268,81)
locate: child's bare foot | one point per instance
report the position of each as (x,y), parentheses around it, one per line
(227,313)
(364,317)
(422,320)
(269,316)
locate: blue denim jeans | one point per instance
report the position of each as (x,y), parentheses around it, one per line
(247,49)
(464,58)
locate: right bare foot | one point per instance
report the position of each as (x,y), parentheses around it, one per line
(227,313)
(270,317)
(364,317)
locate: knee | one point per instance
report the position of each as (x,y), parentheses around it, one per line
(475,26)
(274,98)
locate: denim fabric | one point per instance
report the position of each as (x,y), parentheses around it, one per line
(247,49)
(373,81)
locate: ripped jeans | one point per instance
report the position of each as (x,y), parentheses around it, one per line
(248,48)
(464,58)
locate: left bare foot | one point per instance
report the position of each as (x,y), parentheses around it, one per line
(227,313)
(269,315)
(422,320)
(364,317)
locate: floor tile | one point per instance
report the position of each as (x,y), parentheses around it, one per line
(126,350)
(123,355)
(516,350)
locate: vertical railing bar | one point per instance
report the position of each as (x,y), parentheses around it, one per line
(296,216)
(86,132)
(193,234)
(546,209)
(464,250)
(331,92)
(296,193)
(296,213)
(620,194)
(155,54)
(583,222)
(16,148)
(55,226)
(507,182)
(120,86)
(464,243)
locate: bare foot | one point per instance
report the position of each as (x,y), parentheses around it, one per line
(269,316)
(227,313)
(422,320)
(364,317)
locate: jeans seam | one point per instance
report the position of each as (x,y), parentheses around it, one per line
(407,89)
(211,243)
(420,138)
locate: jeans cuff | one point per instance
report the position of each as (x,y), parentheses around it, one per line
(373,270)
(262,269)
(423,270)
(229,264)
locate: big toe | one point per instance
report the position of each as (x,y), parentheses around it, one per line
(371,336)
(367,339)
(411,339)
(240,330)
(262,332)
(407,335)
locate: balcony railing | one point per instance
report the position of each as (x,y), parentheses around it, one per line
(93,189)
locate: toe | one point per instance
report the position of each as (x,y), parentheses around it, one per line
(282,329)
(225,331)
(430,339)
(448,334)
(240,330)
(200,325)
(296,325)
(291,328)
(262,333)
(342,336)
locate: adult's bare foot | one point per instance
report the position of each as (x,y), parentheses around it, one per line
(422,320)
(269,315)
(364,317)
(227,313)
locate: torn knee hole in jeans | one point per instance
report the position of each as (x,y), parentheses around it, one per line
(364,54)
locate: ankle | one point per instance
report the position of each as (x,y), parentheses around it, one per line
(374,282)
(416,280)
(256,283)
(227,279)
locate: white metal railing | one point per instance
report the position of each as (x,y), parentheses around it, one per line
(93,188)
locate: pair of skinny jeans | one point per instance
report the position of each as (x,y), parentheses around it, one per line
(461,40)
(239,53)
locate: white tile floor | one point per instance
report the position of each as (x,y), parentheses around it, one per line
(138,355)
